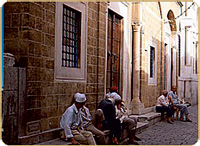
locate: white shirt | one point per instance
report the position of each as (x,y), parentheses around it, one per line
(162,101)
(121,113)
(71,120)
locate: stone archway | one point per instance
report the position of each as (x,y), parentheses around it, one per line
(172,21)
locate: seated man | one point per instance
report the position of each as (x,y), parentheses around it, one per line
(163,106)
(175,101)
(112,89)
(126,122)
(71,122)
(111,123)
(87,125)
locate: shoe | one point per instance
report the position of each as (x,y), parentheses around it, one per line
(137,138)
(172,120)
(188,120)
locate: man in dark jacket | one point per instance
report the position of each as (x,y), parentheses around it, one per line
(111,123)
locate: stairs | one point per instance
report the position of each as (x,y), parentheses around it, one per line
(144,121)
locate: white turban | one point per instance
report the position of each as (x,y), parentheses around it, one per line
(115,96)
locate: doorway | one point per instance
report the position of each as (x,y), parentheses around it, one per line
(114,41)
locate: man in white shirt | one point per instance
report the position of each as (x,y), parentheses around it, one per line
(163,106)
(72,123)
(87,125)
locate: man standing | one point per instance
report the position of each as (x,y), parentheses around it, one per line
(176,102)
(71,122)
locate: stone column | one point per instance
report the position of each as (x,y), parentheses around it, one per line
(136,103)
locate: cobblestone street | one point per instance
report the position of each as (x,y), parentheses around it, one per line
(179,133)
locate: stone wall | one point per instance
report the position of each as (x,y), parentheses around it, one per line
(153,28)
(152,33)
(13,101)
(188,90)
(29,34)
(96,53)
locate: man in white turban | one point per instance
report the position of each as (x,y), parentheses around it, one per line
(72,123)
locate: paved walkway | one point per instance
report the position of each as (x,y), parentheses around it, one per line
(179,133)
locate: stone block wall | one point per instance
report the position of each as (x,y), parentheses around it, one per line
(152,33)
(29,34)
(96,53)
(12,101)
(153,29)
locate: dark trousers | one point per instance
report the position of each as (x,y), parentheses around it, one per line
(162,109)
(114,127)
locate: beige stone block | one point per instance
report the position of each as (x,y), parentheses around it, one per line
(44,125)
(52,111)
(54,122)
(33,127)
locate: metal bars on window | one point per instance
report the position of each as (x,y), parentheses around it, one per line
(70,37)
(152,56)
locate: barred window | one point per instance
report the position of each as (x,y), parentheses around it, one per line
(152,61)
(71,35)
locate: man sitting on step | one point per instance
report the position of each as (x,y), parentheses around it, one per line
(127,123)
(175,101)
(162,106)
(72,123)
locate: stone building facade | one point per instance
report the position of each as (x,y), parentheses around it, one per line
(119,44)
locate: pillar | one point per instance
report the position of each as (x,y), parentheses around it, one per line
(136,103)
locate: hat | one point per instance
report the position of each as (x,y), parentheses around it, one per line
(115,96)
(113,89)
(80,97)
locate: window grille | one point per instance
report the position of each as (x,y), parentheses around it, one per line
(71,37)
(179,55)
(152,56)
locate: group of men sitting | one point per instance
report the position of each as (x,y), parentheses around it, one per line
(79,129)
(169,103)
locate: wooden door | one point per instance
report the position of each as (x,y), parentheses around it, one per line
(113,50)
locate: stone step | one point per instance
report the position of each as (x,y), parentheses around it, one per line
(56,141)
(144,121)
(151,117)
(140,127)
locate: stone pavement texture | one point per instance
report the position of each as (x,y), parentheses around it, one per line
(179,133)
